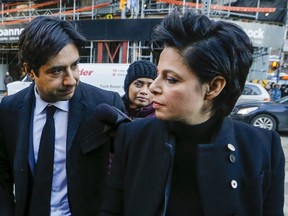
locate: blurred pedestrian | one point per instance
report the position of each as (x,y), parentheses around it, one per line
(137,97)
(284,90)
(275,91)
(58,165)
(268,86)
(7,79)
(193,159)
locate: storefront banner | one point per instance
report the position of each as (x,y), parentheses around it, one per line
(10,33)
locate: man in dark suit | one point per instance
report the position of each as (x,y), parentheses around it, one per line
(49,53)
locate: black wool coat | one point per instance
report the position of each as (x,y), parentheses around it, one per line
(241,172)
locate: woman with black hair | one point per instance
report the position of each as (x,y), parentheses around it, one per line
(193,159)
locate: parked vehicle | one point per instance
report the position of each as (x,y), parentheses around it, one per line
(269,115)
(254,91)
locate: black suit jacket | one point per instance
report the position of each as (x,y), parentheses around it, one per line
(247,180)
(87,150)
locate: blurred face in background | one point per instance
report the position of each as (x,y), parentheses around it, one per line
(178,95)
(59,77)
(139,93)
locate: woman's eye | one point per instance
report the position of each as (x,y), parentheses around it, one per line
(138,85)
(172,80)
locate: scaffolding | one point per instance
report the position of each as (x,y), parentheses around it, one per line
(23,12)
(18,12)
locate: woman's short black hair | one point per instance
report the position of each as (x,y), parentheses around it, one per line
(210,48)
(44,38)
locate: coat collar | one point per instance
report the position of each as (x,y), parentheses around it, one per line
(21,167)
(77,107)
(216,172)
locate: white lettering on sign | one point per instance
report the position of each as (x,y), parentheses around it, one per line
(11,32)
(256,34)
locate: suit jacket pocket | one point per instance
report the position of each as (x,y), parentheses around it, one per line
(94,141)
(263,180)
(254,193)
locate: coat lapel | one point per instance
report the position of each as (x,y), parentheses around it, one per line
(217,175)
(21,167)
(77,107)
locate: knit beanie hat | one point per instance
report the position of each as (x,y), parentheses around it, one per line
(139,69)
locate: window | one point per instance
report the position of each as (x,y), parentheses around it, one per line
(251,90)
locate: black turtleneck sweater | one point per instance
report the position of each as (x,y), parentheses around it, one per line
(184,199)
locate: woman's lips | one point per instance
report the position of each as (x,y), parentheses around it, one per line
(142,99)
(156,105)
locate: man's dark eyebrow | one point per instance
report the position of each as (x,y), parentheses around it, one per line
(56,68)
(76,62)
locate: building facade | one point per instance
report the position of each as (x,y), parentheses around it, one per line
(120,31)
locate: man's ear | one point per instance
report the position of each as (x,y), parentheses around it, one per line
(215,86)
(30,72)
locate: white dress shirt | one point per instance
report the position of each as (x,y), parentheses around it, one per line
(59,195)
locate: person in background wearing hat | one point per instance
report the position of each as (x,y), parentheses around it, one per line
(137,97)
(192,159)
(7,79)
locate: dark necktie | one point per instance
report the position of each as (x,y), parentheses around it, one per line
(42,183)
